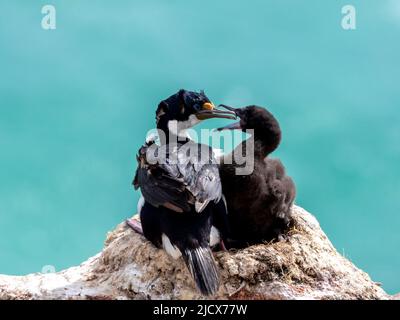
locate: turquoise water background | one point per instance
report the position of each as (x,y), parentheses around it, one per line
(76,102)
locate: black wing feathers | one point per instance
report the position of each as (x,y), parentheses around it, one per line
(178,185)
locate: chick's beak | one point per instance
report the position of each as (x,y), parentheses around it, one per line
(208,111)
(232,126)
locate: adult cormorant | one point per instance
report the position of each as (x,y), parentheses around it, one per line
(183,208)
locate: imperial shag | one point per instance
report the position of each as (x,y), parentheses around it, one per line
(183,207)
(259,204)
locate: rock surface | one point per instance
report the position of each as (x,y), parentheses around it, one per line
(304,266)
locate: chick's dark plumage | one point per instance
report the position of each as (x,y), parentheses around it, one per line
(259,204)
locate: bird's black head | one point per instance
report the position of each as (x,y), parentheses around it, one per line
(251,117)
(264,124)
(185,109)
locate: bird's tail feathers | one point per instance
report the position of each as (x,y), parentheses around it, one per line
(202,266)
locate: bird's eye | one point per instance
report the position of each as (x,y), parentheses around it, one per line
(197,106)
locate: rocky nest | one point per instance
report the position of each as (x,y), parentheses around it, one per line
(303,266)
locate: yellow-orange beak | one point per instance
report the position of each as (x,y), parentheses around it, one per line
(208,106)
(208,111)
